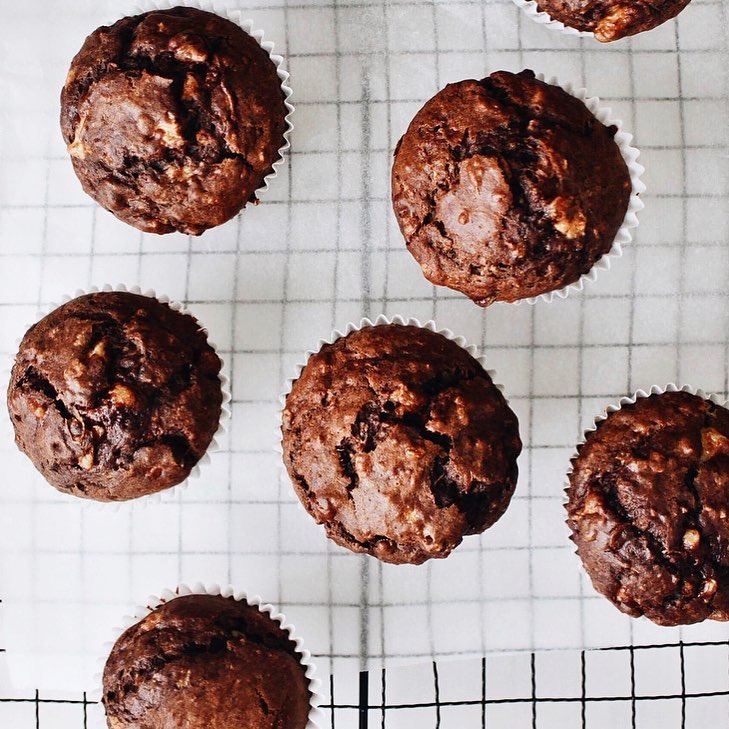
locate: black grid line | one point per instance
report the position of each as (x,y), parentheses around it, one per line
(432,697)
(364,700)
(533,683)
(632,687)
(683,687)
(583,690)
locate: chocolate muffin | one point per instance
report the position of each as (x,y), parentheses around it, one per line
(508,187)
(611,20)
(115,395)
(648,504)
(207,662)
(399,443)
(173,118)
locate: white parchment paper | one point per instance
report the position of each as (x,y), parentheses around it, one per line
(321,250)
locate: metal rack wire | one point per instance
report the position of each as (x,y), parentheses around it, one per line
(627,686)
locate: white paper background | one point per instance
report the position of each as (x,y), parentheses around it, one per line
(321,250)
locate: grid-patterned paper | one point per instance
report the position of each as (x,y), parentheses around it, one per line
(323,249)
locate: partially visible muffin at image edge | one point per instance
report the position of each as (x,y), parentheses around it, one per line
(649,508)
(115,395)
(398,442)
(172,119)
(508,187)
(611,20)
(205,662)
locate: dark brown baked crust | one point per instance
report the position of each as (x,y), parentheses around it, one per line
(172,119)
(508,187)
(648,503)
(115,395)
(397,441)
(611,20)
(205,661)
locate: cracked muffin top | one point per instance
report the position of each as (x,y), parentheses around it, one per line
(508,187)
(115,395)
(611,20)
(205,661)
(398,442)
(648,504)
(172,119)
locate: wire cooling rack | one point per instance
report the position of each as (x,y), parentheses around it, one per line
(629,686)
(322,249)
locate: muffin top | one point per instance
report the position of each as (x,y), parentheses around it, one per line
(205,661)
(508,187)
(172,118)
(398,442)
(611,20)
(648,504)
(115,395)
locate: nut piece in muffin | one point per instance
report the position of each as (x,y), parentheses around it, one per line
(508,187)
(115,395)
(399,443)
(611,20)
(648,508)
(205,662)
(172,119)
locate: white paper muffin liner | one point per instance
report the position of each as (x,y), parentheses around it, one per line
(381,320)
(613,408)
(155,497)
(531,9)
(153,602)
(237,17)
(635,204)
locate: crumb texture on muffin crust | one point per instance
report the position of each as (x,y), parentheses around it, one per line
(114,395)
(398,442)
(172,119)
(205,661)
(648,508)
(508,187)
(611,20)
